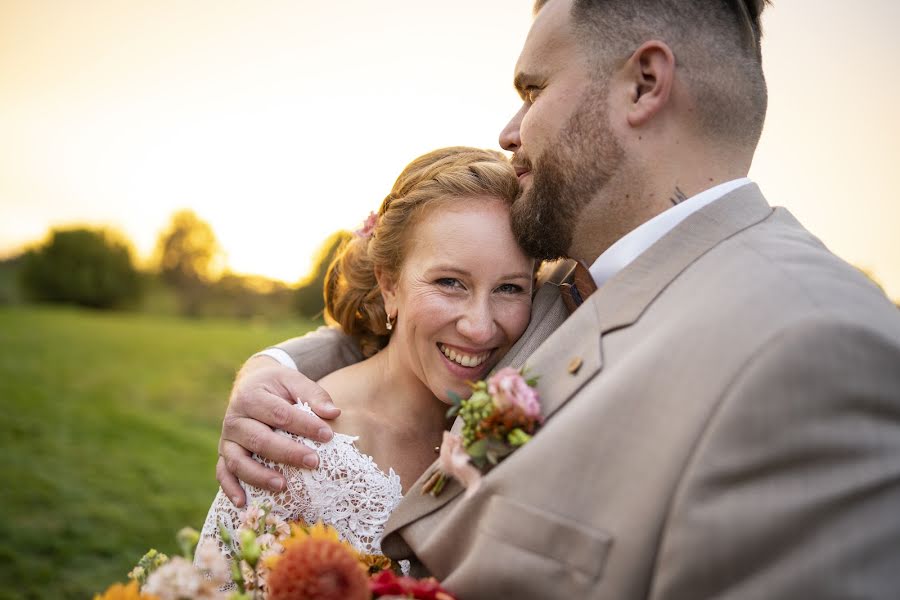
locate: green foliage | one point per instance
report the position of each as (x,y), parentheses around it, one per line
(87,267)
(310,300)
(187,250)
(10,288)
(248,297)
(109,429)
(188,255)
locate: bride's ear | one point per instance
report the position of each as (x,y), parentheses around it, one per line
(388,287)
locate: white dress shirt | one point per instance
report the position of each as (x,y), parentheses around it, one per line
(634,243)
(623,251)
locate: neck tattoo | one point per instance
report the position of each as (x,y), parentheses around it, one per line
(679,196)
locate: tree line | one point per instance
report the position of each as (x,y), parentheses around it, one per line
(96,268)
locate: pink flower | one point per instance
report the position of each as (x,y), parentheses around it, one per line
(509,389)
(250,517)
(368,227)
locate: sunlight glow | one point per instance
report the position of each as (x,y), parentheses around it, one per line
(281,122)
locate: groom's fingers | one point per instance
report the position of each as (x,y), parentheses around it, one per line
(279,414)
(302,389)
(230,484)
(253,436)
(235,463)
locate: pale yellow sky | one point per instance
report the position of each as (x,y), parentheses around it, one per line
(279,122)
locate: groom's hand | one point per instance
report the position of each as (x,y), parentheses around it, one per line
(261,400)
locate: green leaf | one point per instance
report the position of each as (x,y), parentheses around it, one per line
(477,449)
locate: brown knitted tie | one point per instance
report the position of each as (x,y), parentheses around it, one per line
(582,286)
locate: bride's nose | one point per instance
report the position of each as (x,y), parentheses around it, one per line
(476,324)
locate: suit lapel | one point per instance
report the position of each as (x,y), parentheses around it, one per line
(623,298)
(567,356)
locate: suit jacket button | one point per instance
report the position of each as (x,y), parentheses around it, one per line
(574,365)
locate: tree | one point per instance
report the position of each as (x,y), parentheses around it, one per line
(310,296)
(188,254)
(88,267)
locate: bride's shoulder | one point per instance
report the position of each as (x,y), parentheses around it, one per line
(351,390)
(346,382)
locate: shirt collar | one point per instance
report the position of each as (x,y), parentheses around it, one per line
(633,244)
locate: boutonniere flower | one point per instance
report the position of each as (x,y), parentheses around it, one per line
(500,416)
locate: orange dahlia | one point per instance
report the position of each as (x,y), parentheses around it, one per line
(118,591)
(318,568)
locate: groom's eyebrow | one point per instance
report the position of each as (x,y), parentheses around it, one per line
(521,81)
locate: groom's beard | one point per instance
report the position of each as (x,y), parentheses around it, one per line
(565,178)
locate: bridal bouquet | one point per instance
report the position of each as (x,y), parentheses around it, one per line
(500,416)
(271,560)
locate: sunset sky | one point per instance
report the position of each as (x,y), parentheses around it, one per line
(281,121)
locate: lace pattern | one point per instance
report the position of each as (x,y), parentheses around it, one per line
(347,491)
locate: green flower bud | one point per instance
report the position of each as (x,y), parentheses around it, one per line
(517,437)
(236,575)
(250,550)
(187,539)
(223,533)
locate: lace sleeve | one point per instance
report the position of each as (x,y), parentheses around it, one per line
(347,491)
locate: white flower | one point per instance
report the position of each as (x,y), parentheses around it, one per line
(179,580)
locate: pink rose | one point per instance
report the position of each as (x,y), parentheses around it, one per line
(509,389)
(368,227)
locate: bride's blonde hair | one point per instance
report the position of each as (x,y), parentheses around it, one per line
(353,299)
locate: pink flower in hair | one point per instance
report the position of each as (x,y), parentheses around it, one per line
(368,227)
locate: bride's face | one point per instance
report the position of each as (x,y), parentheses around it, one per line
(463,295)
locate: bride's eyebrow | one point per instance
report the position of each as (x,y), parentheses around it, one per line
(450,269)
(465,273)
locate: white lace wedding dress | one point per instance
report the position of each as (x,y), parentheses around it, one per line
(347,491)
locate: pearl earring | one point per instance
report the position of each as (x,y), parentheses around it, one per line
(389,324)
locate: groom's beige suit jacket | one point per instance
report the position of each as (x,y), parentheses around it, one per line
(723,420)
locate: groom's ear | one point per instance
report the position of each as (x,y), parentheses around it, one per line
(650,73)
(388,286)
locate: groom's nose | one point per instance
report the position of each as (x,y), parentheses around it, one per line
(509,136)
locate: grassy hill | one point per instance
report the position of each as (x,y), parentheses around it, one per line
(109,424)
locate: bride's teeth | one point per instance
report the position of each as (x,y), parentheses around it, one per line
(464,359)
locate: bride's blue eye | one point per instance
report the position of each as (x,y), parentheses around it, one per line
(510,288)
(449,282)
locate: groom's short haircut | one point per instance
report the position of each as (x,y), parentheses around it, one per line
(716,45)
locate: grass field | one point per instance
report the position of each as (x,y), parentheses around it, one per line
(109,425)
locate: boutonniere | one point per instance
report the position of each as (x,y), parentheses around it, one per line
(500,416)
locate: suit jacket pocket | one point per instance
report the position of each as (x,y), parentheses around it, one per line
(537,552)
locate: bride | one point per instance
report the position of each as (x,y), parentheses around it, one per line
(435,290)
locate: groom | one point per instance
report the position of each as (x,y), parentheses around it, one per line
(723,412)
